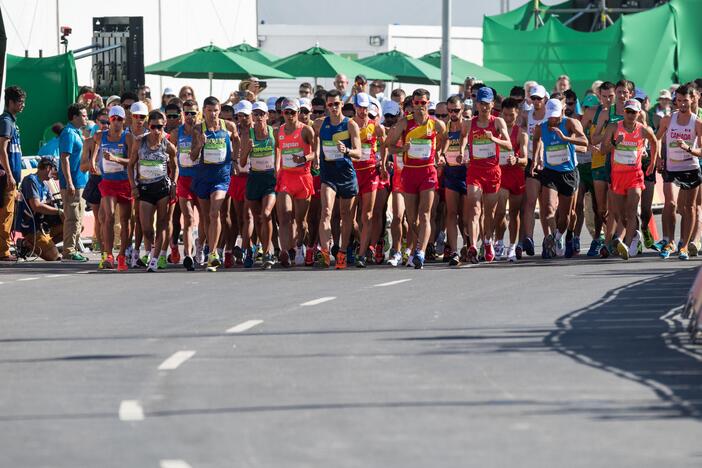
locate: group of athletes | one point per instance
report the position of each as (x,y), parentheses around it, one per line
(312,186)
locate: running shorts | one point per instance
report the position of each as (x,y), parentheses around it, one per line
(91,192)
(415,180)
(237,187)
(259,185)
(513,180)
(600,174)
(644,166)
(455,179)
(686,180)
(184,188)
(298,185)
(120,190)
(208,180)
(155,191)
(368,180)
(565,183)
(396,180)
(486,179)
(626,180)
(527,170)
(585,173)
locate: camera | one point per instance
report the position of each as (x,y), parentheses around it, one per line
(66,30)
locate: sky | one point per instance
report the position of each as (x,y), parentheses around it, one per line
(465,12)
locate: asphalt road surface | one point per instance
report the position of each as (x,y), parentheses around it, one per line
(578,363)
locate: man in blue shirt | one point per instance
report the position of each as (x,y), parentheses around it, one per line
(72,181)
(10,166)
(39,221)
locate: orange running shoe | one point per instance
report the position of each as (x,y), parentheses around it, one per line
(340,260)
(121,263)
(109,262)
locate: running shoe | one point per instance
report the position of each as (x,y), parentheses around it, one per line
(162,262)
(206,250)
(341,260)
(121,263)
(604,250)
(441,242)
(395,258)
(463,258)
(268,261)
(692,249)
(512,254)
(283,257)
(189,263)
(174,256)
(75,257)
(633,248)
(334,250)
(529,246)
(249,258)
(152,266)
(499,249)
(370,254)
(134,260)
(300,255)
(410,261)
(238,255)
(447,253)
(228,260)
(431,253)
(683,255)
(648,239)
(569,248)
(361,262)
(454,259)
(144,260)
(481,252)
(258,251)
(489,252)
(380,252)
(546,247)
(101,263)
(309,256)
(559,244)
(472,255)
(418,260)
(128,252)
(405,256)
(660,245)
(576,245)
(109,262)
(622,249)
(213,260)
(667,250)
(594,248)
(351,253)
(323,259)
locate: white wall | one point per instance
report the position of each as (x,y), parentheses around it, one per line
(31,24)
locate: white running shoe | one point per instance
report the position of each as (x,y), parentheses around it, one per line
(499,249)
(634,247)
(300,255)
(134,259)
(153,265)
(512,254)
(395,259)
(441,242)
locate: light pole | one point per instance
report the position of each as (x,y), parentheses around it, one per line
(445,49)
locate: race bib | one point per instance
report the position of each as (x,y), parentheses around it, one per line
(483,148)
(331,152)
(452,158)
(557,155)
(585,158)
(265,162)
(111,167)
(288,155)
(676,153)
(419,149)
(184,157)
(151,170)
(215,152)
(625,155)
(504,157)
(365,152)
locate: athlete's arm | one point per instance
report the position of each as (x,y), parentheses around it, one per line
(577,135)
(588,115)
(245,150)
(443,140)
(307,134)
(535,148)
(523,142)
(501,128)
(133,155)
(197,143)
(233,136)
(355,151)
(87,158)
(382,151)
(465,129)
(653,144)
(698,140)
(277,150)
(394,135)
(172,166)
(607,143)
(597,137)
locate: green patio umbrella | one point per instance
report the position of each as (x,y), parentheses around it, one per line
(214,63)
(462,68)
(405,68)
(253,53)
(317,62)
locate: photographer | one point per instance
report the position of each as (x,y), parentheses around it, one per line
(39,221)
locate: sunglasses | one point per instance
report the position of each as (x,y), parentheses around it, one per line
(289,112)
(191,113)
(156,127)
(454,111)
(104,122)
(570,103)
(417,102)
(172,116)
(115,118)
(304,111)
(139,117)
(333,104)
(630,111)
(536,98)
(441,116)
(318,112)
(259,114)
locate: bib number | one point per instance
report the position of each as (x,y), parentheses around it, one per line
(262,163)
(625,155)
(419,149)
(484,149)
(365,152)
(504,157)
(184,157)
(215,153)
(111,167)
(288,158)
(676,153)
(150,170)
(557,155)
(331,152)
(452,158)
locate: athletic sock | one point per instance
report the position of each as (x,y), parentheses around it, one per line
(162,254)
(558,235)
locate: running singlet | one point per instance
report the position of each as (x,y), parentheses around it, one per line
(330,135)
(558,154)
(454,148)
(597,157)
(151,165)
(262,157)
(516,151)
(243,170)
(185,164)
(422,142)
(627,155)
(531,124)
(111,170)
(677,159)
(293,145)
(217,150)
(483,152)
(369,148)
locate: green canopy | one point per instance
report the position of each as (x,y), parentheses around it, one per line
(463,68)
(51,85)
(214,63)
(405,68)
(253,53)
(317,62)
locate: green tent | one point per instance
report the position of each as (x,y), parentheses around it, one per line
(51,86)
(654,48)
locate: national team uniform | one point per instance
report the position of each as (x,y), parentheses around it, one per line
(186,166)
(294,179)
(484,168)
(335,168)
(512,178)
(115,177)
(213,173)
(366,167)
(626,157)
(419,171)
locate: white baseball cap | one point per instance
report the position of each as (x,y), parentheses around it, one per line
(390,107)
(117,111)
(432,105)
(168,92)
(374,107)
(271,103)
(243,107)
(292,104)
(633,104)
(305,103)
(554,108)
(260,106)
(362,100)
(139,108)
(664,94)
(538,91)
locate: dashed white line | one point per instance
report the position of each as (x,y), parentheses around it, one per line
(391,283)
(318,301)
(31,278)
(176,360)
(131,410)
(56,276)
(83,272)
(174,464)
(242,327)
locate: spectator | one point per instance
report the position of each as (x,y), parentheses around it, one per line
(467,86)
(92,102)
(341,83)
(398,95)
(113,101)
(377,90)
(40,222)
(562,84)
(72,181)
(50,148)
(305,90)
(166,97)
(186,92)
(254,86)
(10,165)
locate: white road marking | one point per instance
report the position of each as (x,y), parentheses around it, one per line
(242,327)
(176,360)
(83,272)
(1,282)
(318,301)
(56,276)
(174,464)
(31,278)
(131,410)
(391,283)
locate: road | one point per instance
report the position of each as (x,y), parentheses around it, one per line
(564,363)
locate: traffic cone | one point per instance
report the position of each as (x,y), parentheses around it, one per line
(653,228)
